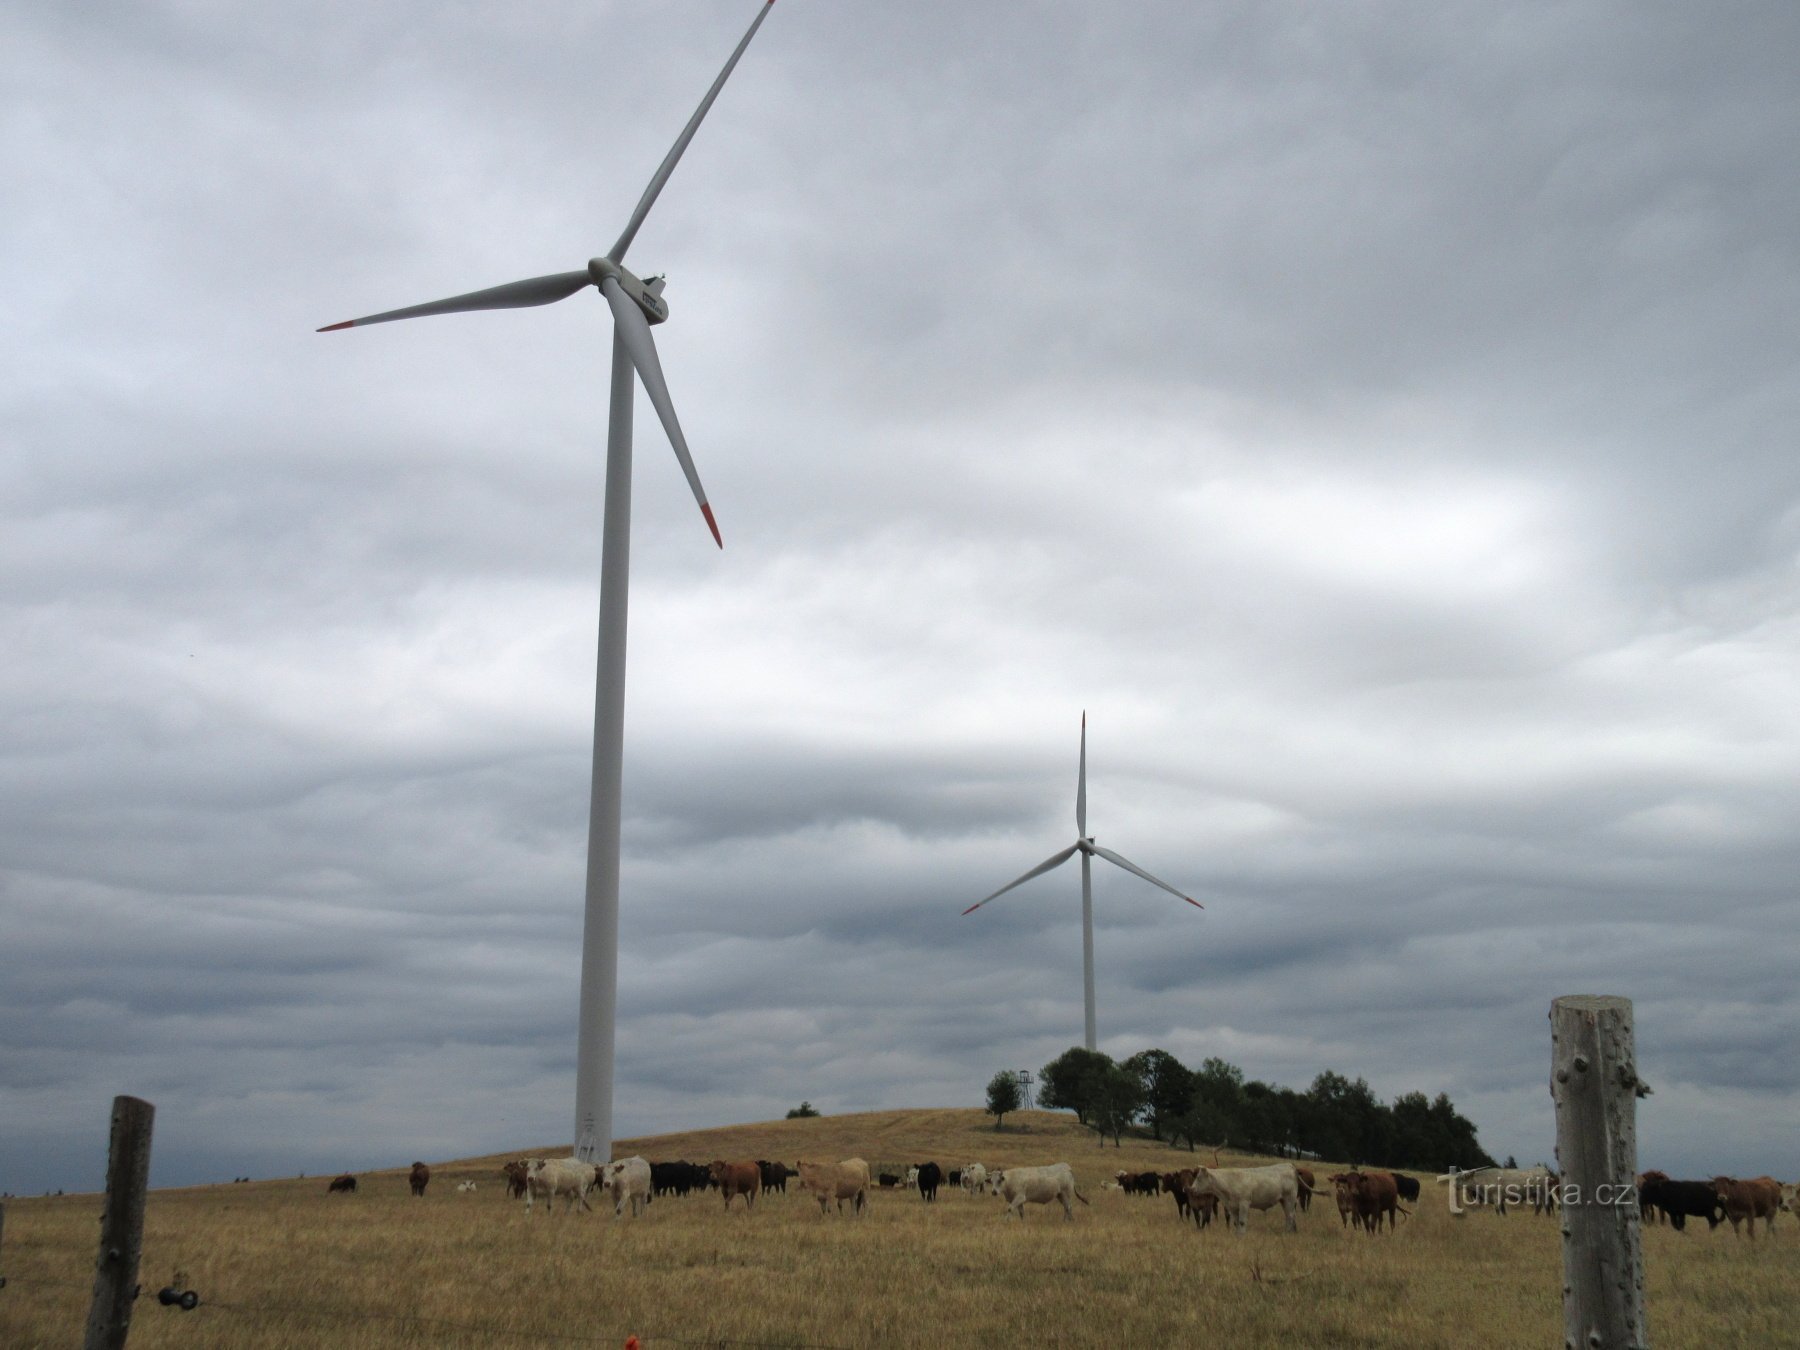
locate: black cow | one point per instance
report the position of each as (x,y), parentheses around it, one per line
(343,1183)
(953,1177)
(1407,1186)
(1681,1200)
(931,1176)
(888,1181)
(775,1175)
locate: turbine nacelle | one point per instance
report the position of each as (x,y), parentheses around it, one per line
(646,295)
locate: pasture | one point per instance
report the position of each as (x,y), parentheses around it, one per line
(282,1263)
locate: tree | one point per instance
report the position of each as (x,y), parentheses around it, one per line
(1002,1096)
(802,1111)
(1115,1095)
(1168,1088)
(1065,1082)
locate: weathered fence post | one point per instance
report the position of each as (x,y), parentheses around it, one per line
(121,1225)
(1594,1083)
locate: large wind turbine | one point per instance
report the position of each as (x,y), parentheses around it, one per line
(635,305)
(1088,849)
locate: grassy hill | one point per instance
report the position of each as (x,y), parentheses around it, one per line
(282,1263)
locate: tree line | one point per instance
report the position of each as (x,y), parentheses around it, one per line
(1336,1118)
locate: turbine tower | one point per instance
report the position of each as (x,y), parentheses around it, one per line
(636,305)
(1088,849)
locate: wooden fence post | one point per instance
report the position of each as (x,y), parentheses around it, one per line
(121,1225)
(1594,1083)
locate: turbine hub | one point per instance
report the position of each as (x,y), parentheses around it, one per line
(646,295)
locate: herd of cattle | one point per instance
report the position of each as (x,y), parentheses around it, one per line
(1364,1197)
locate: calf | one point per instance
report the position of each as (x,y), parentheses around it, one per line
(736,1178)
(514,1172)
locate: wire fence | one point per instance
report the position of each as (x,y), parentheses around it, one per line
(441,1327)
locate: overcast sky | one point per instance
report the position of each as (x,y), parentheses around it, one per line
(1379,419)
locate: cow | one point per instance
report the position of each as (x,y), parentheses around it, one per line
(839,1181)
(1343,1189)
(1306,1188)
(888,1180)
(974,1178)
(419,1178)
(1649,1211)
(1407,1186)
(774,1175)
(514,1172)
(931,1176)
(547,1178)
(1242,1189)
(1375,1194)
(954,1178)
(734,1179)
(1756,1199)
(345,1184)
(1681,1200)
(912,1176)
(465,1187)
(1021,1186)
(628,1179)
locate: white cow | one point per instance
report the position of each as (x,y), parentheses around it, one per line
(464,1187)
(551,1177)
(1242,1189)
(912,1177)
(1021,1186)
(627,1179)
(974,1178)
(839,1181)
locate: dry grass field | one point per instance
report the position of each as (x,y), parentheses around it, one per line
(282,1263)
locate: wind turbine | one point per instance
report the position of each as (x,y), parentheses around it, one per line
(1088,849)
(635,305)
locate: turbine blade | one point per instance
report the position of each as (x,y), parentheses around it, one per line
(1132,867)
(681,142)
(513,295)
(1037,871)
(634,331)
(1081,783)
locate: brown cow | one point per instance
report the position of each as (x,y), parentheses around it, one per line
(1343,1189)
(1306,1187)
(346,1183)
(1376,1194)
(1758,1198)
(514,1172)
(736,1178)
(418,1178)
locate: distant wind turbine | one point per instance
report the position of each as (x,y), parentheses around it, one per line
(1088,849)
(635,305)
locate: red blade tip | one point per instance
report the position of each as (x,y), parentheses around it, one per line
(972,908)
(1195,903)
(333,327)
(712,524)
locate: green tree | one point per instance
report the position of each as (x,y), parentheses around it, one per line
(1115,1096)
(1002,1096)
(802,1111)
(1167,1088)
(1065,1082)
